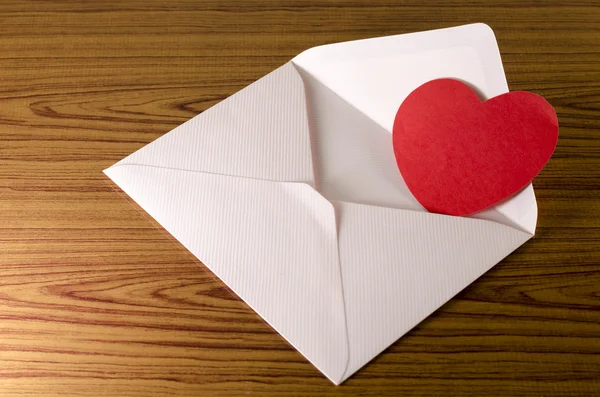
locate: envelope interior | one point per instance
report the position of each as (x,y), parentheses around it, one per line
(353,158)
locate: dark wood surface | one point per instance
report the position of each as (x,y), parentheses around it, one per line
(96,300)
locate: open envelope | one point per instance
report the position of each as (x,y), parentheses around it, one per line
(289,192)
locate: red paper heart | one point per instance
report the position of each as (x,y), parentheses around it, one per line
(459,155)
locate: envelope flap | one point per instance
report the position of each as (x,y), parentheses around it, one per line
(376,75)
(274,244)
(260,132)
(354,90)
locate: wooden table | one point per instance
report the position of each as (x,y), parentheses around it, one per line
(96,300)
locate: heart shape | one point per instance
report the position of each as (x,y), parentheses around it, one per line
(459,155)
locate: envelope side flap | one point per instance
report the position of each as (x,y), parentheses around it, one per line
(273,243)
(400,266)
(260,132)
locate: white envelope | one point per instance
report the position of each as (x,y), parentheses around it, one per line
(289,192)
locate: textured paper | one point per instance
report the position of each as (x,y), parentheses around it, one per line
(459,155)
(318,234)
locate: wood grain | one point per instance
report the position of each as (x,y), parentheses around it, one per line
(97,300)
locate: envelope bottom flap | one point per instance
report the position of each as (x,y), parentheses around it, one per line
(273,243)
(400,266)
